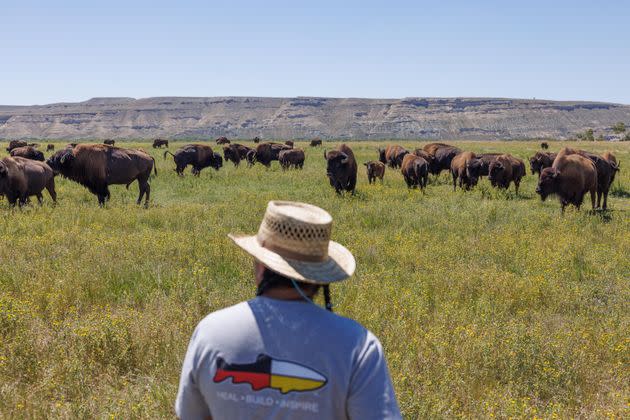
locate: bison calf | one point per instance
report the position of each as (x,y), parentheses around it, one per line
(375,169)
(293,158)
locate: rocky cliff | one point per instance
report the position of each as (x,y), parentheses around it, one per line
(308,117)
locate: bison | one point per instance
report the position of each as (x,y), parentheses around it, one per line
(570,177)
(268,152)
(235,153)
(50,148)
(605,173)
(158,143)
(465,167)
(424,155)
(544,145)
(109,142)
(540,161)
(610,157)
(341,169)
(222,140)
(14,144)
(22,178)
(443,155)
(486,160)
(256,139)
(289,143)
(392,155)
(198,156)
(415,170)
(505,169)
(316,142)
(28,152)
(291,158)
(375,169)
(97,166)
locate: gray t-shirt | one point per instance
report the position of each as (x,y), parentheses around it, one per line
(278,359)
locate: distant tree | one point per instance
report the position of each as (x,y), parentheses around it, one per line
(626,138)
(588,135)
(601,138)
(619,128)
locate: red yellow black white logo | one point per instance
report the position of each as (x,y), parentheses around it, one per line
(266,372)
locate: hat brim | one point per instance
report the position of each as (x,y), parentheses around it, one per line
(339,265)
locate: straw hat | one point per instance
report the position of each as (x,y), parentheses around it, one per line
(294,241)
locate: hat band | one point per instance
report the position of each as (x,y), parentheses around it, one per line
(292,255)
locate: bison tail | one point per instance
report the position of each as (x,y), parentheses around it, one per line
(154,166)
(168,153)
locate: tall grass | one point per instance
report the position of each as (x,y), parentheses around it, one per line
(487,303)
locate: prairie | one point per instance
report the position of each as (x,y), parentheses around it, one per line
(488,304)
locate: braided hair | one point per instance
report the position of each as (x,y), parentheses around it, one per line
(271,279)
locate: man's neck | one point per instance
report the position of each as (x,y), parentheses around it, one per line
(285,293)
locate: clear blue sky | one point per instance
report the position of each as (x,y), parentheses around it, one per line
(53,51)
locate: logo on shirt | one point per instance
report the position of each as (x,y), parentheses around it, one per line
(267,372)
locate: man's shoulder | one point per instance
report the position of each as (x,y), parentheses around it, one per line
(222,317)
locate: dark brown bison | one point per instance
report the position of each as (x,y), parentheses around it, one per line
(14,144)
(28,152)
(256,139)
(544,145)
(505,169)
(465,167)
(268,152)
(316,142)
(250,157)
(605,173)
(222,140)
(415,170)
(109,142)
(289,143)
(375,169)
(158,143)
(486,159)
(97,166)
(198,156)
(610,157)
(392,155)
(540,161)
(341,169)
(443,155)
(235,153)
(22,178)
(570,178)
(50,148)
(293,158)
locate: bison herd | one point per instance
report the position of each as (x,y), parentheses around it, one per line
(570,174)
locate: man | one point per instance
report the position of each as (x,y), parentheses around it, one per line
(279,355)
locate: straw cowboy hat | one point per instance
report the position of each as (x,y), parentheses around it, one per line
(294,240)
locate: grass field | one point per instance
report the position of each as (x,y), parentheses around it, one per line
(488,304)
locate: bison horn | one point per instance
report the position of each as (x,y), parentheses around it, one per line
(325,155)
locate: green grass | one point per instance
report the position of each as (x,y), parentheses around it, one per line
(487,303)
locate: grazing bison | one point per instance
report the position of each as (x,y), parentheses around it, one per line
(22,178)
(28,152)
(109,142)
(570,178)
(486,160)
(605,173)
(540,161)
(443,155)
(544,145)
(316,142)
(375,169)
(289,143)
(158,143)
(14,144)
(198,156)
(392,155)
(291,158)
(97,166)
(465,167)
(505,169)
(222,140)
(235,153)
(415,170)
(256,139)
(50,148)
(268,152)
(341,169)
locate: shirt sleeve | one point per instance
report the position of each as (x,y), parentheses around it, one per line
(371,393)
(190,404)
